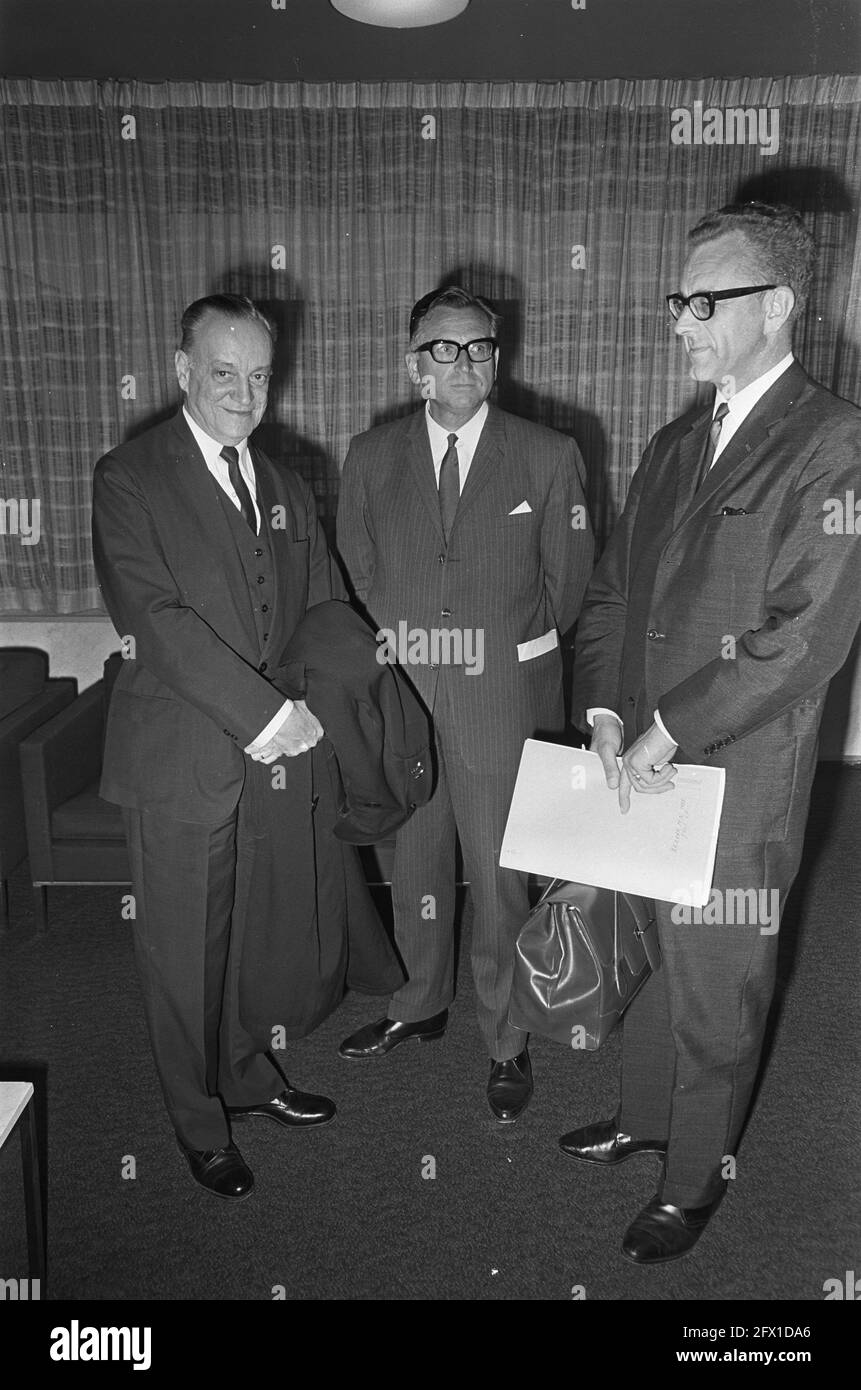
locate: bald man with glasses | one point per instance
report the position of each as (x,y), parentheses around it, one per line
(723,605)
(465,533)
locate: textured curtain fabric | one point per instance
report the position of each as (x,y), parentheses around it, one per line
(337,206)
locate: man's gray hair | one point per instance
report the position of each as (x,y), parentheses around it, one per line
(782,248)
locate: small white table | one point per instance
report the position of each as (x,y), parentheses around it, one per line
(17,1109)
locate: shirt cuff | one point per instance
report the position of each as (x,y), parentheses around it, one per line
(663,728)
(266,735)
(599,709)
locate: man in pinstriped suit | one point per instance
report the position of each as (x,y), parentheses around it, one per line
(466,537)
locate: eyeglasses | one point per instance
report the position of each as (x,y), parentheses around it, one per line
(702,304)
(444,350)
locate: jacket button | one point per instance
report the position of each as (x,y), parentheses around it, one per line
(258,553)
(655,636)
(262,666)
(261,579)
(265,639)
(264,608)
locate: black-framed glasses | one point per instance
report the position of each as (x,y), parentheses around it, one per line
(702,302)
(444,350)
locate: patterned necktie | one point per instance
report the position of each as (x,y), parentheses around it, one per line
(449,485)
(230,454)
(712,442)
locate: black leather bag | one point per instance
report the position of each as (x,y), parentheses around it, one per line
(581,956)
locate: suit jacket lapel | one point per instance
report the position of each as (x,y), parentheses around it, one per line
(691,448)
(196,486)
(768,412)
(420,464)
(485,461)
(283,581)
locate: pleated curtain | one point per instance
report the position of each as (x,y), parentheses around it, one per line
(337,206)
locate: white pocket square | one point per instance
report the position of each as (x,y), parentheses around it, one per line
(527,651)
(519,511)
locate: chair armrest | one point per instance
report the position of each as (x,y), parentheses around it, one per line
(13,729)
(58,761)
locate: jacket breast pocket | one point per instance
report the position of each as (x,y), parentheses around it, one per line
(736,528)
(538,646)
(516,535)
(292,558)
(294,551)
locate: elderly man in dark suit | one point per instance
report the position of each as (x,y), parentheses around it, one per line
(714,622)
(208,556)
(465,533)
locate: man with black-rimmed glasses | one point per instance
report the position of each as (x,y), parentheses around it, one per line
(464,530)
(720,610)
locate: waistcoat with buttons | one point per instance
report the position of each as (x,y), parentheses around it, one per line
(255,552)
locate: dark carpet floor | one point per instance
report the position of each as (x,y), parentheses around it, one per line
(345,1213)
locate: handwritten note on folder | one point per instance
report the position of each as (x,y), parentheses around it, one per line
(565,822)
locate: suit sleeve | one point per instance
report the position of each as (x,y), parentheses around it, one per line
(567,542)
(172,641)
(324,578)
(812,611)
(601,629)
(355,536)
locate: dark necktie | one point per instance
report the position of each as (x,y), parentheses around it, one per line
(230,454)
(712,441)
(449,485)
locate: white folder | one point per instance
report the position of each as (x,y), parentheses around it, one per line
(565,822)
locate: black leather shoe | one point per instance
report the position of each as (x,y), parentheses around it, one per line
(376,1039)
(293,1108)
(662,1232)
(509,1089)
(222,1172)
(603,1143)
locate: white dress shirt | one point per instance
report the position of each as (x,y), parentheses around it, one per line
(211,450)
(467,441)
(739,407)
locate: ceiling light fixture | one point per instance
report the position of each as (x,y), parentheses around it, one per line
(401,14)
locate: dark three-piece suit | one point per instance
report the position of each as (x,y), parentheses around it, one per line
(239,882)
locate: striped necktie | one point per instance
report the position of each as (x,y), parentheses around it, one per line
(230,454)
(449,485)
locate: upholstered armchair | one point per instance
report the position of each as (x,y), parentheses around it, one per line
(73,836)
(27,698)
